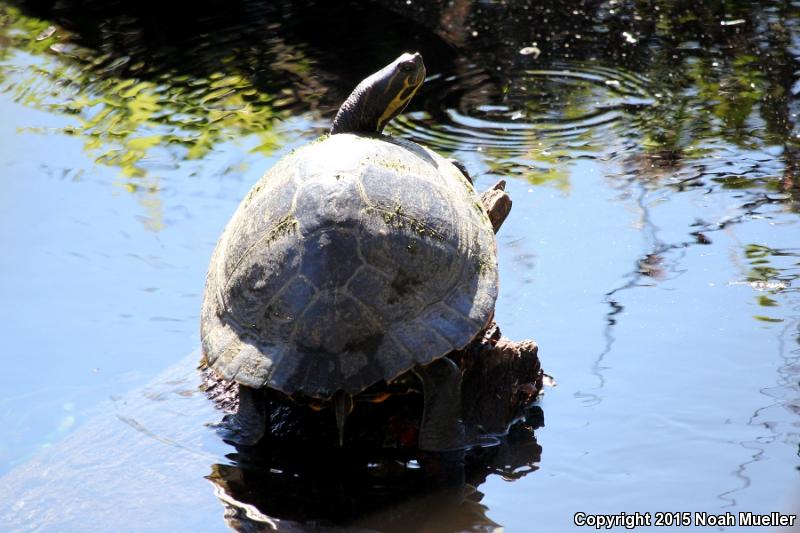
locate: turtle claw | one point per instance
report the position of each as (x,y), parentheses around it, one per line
(342,405)
(441,428)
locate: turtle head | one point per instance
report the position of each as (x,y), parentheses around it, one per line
(381,96)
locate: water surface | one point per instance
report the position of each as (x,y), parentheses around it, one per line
(653,249)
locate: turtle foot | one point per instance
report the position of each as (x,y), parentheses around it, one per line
(441,428)
(248,425)
(233,432)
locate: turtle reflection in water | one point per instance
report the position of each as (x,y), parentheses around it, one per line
(357,262)
(296,488)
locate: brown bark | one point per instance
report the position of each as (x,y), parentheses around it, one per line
(497,203)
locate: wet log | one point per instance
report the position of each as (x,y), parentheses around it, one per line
(500,378)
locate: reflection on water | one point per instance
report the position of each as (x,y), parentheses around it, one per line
(533,127)
(652,251)
(292,486)
(152,449)
(565,106)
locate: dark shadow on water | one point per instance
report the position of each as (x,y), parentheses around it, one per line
(304,53)
(305,485)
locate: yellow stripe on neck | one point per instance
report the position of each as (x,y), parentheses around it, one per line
(397,102)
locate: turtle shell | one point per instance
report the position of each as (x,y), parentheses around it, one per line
(352,260)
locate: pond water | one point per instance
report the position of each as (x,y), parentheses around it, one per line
(652,153)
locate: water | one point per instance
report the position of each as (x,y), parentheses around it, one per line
(652,250)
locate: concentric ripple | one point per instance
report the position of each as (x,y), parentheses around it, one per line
(567,106)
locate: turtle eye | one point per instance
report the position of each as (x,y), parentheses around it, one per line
(406,66)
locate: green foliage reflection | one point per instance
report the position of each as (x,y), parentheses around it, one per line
(158,117)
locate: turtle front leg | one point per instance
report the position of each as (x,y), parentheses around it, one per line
(441,428)
(460,166)
(248,425)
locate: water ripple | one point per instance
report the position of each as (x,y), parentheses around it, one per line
(569,105)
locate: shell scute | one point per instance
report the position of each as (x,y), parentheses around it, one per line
(331,258)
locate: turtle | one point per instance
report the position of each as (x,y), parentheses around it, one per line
(356,259)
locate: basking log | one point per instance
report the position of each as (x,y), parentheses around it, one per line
(500,378)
